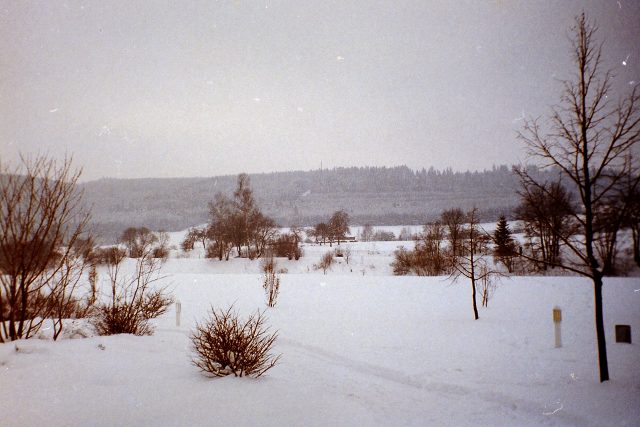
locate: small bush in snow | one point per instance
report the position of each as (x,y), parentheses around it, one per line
(225,345)
(325,262)
(271,282)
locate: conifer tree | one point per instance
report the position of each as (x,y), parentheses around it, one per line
(504,249)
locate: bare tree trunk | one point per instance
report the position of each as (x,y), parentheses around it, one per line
(473,297)
(603,364)
(473,274)
(636,244)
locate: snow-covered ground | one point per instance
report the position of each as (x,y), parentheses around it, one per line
(360,347)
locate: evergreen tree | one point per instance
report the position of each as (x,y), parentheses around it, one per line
(504,249)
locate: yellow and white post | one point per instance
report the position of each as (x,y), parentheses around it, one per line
(557,319)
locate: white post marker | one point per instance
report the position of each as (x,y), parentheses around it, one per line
(557,319)
(178,310)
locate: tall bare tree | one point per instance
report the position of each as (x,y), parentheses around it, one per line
(220,229)
(41,219)
(471,262)
(589,140)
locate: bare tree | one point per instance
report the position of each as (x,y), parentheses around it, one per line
(471,263)
(620,210)
(632,219)
(547,213)
(41,218)
(453,220)
(245,208)
(321,232)
(428,258)
(200,234)
(347,254)
(238,222)
(487,286)
(589,141)
(188,242)
(367,233)
(263,231)
(338,226)
(430,254)
(136,239)
(219,230)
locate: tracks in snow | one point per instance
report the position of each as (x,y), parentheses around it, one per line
(531,411)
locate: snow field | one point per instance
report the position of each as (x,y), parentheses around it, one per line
(369,349)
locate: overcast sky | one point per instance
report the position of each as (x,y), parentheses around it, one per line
(160,88)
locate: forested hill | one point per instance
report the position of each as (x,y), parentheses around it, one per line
(376,195)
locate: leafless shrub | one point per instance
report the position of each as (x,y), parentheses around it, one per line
(137,240)
(347,254)
(271,282)
(429,258)
(472,263)
(402,263)
(487,285)
(133,301)
(109,256)
(287,245)
(190,239)
(187,244)
(325,262)
(161,250)
(224,345)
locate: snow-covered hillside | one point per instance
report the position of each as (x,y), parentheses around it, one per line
(360,347)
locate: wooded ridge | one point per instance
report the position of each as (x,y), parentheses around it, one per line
(376,195)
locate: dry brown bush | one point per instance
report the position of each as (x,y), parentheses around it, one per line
(225,345)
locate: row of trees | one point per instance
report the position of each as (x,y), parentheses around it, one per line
(457,246)
(237,223)
(369,234)
(335,230)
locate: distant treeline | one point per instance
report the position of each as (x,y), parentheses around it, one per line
(375,195)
